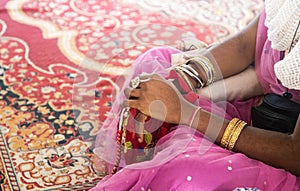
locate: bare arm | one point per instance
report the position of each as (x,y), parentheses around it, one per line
(278,149)
(233,87)
(274,148)
(229,57)
(233,56)
(236,53)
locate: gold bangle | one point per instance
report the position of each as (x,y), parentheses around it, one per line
(228,132)
(236,133)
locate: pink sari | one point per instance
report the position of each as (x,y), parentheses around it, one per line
(186,160)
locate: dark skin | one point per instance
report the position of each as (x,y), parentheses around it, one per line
(233,56)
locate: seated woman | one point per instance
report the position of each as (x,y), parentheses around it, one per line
(211,144)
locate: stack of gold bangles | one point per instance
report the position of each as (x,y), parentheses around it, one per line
(232,133)
(204,65)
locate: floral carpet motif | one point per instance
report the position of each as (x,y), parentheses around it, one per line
(61,65)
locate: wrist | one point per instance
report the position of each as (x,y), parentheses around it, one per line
(189,114)
(199,71)
(193,82)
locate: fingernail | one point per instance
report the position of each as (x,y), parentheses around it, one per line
(140,140)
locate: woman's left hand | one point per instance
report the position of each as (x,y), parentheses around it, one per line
(159,98)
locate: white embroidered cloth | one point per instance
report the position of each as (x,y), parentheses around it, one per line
(282,21)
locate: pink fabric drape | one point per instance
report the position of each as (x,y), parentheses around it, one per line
(185,159)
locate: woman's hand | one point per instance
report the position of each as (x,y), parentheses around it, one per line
(158,98)
(139,126)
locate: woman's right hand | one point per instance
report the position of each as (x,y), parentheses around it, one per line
(139,122)
(159,98)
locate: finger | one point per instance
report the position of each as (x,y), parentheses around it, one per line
(131,103)
(177,59)
(132,93)
(191,53)
(139,126)
(145,76)
(157,77)
(180,45)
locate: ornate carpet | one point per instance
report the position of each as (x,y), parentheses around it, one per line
(61,65)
